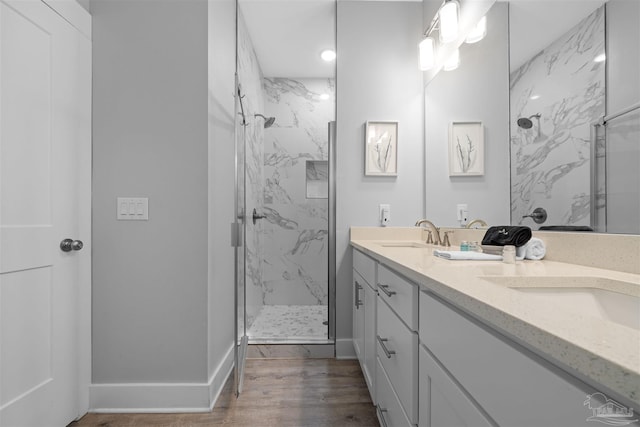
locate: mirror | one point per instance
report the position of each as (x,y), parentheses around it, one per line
(557,83)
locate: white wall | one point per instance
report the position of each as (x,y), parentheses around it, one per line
(377,79)
(477,91)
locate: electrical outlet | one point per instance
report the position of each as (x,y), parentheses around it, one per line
(462,213)
(384,214)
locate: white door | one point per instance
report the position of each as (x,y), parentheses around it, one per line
(45,87)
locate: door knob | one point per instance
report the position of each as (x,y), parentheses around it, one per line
(68,245)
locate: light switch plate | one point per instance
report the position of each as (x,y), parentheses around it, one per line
(132,209)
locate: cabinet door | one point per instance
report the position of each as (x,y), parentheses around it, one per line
(442,402)
(358,315)
(369,367)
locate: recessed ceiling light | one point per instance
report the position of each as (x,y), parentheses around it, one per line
(534,97)
(600,58)
(325,96)
(328,55)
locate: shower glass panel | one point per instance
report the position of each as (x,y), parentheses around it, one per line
(289,99)
(622,154)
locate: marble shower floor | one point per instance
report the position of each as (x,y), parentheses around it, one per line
(290,324)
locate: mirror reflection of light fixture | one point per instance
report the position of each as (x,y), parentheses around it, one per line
(427,49)
(452,61)
(446,23)
(478,32)
(448,15)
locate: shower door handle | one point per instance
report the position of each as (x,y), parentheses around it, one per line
(256,216)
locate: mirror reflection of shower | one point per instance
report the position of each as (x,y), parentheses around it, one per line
(526,123)
(268,121)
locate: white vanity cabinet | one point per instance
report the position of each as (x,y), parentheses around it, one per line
(435,365)
(364,312)
(397,338)
(494,376)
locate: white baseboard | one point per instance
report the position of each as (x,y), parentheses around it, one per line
(344,349)
(161,397)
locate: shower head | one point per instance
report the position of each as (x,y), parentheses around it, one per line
(526,123)
(268,121)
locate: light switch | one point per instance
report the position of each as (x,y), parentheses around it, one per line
(132,208)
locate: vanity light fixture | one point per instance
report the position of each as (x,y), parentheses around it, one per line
(446,23)
(328,55)
(452,61)
(478,32)
(448,15)
(427,49)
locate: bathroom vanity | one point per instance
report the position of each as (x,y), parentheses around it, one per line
(475,343)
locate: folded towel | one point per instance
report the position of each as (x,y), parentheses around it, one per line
(467,255)
(503,235)
(535,249)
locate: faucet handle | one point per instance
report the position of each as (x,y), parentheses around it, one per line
(445,239)
(429,237)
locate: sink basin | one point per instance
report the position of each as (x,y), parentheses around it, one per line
(607,299)
(404,245)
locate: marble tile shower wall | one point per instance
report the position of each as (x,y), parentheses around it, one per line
(250,78)
(295,251)
(550,161)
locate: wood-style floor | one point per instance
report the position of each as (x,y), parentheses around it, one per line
(278,393)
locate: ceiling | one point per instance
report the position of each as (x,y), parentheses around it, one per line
(288,36)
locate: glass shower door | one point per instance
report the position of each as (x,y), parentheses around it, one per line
(240,324)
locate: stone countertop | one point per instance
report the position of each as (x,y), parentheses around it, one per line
(598,351)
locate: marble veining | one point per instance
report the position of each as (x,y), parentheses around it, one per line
(295,254)
(550,160)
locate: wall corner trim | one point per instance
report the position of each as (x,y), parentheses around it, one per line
(161,397)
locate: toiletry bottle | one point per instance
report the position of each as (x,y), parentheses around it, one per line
(464,246)
(509,254)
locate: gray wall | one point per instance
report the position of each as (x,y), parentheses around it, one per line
(477,91)
(150,140)
(378,79)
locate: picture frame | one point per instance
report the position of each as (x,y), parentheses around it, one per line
(381,148)
(466,149)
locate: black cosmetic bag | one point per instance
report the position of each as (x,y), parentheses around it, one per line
(502,235)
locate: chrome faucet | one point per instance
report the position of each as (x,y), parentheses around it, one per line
(436,230)
(477,221)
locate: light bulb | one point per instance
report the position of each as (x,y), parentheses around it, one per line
(478,32)
(328,55)
(427,53)
(449,21)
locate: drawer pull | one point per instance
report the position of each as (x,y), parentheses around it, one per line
(387,352)
(358,301)
(381,412)
(385,289)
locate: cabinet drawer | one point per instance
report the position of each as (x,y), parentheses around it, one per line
(400,294)
(442,402)
(503,377)
(390,412)
(400,360)
(365,266)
